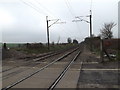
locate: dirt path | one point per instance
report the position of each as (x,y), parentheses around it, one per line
(98,75)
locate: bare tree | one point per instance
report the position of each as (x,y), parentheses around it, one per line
(69,40)
(75,41)
(106,31)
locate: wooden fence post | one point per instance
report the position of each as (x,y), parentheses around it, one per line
(101,50)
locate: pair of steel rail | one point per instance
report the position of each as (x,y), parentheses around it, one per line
(37,71)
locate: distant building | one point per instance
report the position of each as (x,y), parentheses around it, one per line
(119,19)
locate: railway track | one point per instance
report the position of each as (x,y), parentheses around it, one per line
(37,71)
(17,69)
(35,59)
(62,74)
(38,58)
(20,68)
(26,68)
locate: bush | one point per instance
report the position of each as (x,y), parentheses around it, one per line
(118,56)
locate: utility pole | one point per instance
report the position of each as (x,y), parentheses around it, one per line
(48,26)
(90,21)
(91,31)
(90,25)
(48,33)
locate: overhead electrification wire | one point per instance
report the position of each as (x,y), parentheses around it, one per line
(66,32)
(45,9)
(49,11)
(40,4)
(36,9)
(40,7)
(69,7)
(70,33)
(71,11)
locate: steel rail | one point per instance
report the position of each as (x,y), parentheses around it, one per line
(36,59)
(30,75)
(4,77)
(50,54)
(30,61)
(63,72)
(80,73)
(25,63)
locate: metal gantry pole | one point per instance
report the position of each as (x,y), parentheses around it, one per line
(48,33)
(55,22)
(90,24)
(91,31)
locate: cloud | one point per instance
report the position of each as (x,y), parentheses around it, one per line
(29,25)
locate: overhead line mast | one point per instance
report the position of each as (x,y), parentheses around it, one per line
(90,24)
(48,26)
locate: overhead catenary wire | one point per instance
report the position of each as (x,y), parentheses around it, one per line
(46,9)
(41,8)
(66,32)
(69,7)
(55,16)
(33,7)
(36,6)
(36,9)
(71,12)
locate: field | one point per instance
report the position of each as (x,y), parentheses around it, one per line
(23,50)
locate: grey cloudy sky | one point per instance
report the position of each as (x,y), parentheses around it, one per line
(25,20)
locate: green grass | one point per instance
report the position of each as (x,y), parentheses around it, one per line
(13,45)
(43,49)
(33,51)
(59,47)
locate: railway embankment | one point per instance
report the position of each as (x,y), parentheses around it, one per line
(97,74)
